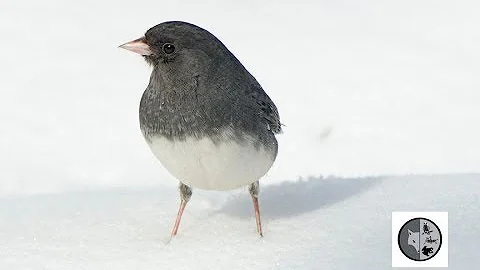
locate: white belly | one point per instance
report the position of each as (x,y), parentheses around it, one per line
(203,164)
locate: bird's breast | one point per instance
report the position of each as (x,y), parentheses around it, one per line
(217,164)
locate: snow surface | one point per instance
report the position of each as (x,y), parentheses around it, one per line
(314,223)
(366,89)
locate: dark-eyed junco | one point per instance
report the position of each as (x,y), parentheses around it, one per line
(204,116)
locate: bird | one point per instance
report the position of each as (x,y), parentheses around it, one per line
(203,115)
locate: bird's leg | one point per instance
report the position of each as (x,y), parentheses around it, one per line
(254,189)
(185,194)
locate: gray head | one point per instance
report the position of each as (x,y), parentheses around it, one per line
(179,45)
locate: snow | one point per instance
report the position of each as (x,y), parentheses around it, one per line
(379,99)
(314,223)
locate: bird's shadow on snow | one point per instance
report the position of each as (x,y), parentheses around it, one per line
(294,198)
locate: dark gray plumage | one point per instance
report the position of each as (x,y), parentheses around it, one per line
(201,88)
(198,89)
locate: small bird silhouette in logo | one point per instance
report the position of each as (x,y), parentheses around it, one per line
(426,229)
(430,240)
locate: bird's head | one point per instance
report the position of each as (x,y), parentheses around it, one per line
(176,41)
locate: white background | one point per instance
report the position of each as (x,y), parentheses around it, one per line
(365,88)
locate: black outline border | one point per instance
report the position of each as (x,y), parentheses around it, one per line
(439,247)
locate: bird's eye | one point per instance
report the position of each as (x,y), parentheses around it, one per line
(168,48)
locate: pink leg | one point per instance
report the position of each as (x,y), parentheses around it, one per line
(257,215)
(185,194)
(254,189)
(179,217)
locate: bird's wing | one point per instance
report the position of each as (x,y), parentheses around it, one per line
(268,109)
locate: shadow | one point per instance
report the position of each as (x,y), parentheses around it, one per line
(294,198)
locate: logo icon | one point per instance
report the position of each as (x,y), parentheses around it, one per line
(420,239)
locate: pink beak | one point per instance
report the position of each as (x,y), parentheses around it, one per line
(137,46)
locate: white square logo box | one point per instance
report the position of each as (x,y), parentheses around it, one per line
(437,219)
